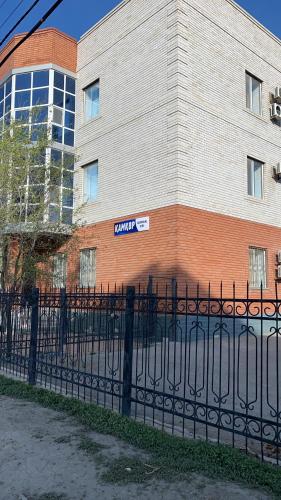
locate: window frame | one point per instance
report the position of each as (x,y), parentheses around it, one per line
(91,278)
(252,168)
(252,283)
(250,107)
(97,81)
(89,201)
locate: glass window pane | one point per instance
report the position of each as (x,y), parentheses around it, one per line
(23,81)
(8,104)
(258,179)
(69,120)
(41,78)
(67,216)
(58,116)
(68,161)
(54,213)
(7,119)
(250,178)
(59,270)
(22,99)
(55,176)
(88,267)
(68,137)
(1,92)
(256,96)
(257,267)
(56,156)
(57,133)
(22,116)
(248,91)
(38,132)
(70,102)
(40,96)
(1,108)
(58,98)
(91,182)
(92,101)
(40,115)
(67,179)
(8,86)
(59,80)
(70,85)
(67,198)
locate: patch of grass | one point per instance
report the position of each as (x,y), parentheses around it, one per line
(172,454)
(126,470)
(89,446)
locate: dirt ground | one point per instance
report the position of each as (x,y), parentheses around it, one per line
(45,455)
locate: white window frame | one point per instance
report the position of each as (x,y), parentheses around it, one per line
(257,277)
(87,274)
(251,183)
(249,95)
(59,275)
(86,199)
(89,118)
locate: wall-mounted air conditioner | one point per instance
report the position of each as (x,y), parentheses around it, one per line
(275,111)
(279,272)
(279,257)
(277,95)
(277,171)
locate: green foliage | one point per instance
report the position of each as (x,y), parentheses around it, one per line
(170,455)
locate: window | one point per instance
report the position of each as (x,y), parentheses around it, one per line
(255,178)
(59,270)
(91,182)
(92,100)
(253,94)
(88,267)
(257,267)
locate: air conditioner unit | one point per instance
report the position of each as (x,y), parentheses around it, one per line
(277,171)
(279,272)
(279,257)
(275,111)
(277,95)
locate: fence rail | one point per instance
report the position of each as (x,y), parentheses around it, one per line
(199,366)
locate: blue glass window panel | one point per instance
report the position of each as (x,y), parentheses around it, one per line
(2,93)
(56,156)
(40,114)
(23,81)
(70,85)
(7,119)
(67,198)
(68,161)
(59,80)
(37,131)
(1,108)
(67,216)
(58,98)
(68,137)
(91,182)
(57,133)
(41,78)
(67,181)
(70,102)
(23,115)
(92,101)
(8,89)
(40,96)
(22,99)
(7,104)
(69,120)
(54,213)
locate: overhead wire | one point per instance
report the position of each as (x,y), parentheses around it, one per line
(33,29)
(11,14)
(19,22)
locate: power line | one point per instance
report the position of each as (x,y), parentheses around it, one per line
(19,22)
(11,14)
(35,28)
(3,3)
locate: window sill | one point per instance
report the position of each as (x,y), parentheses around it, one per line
(256,115)
(259,201)
(92,120)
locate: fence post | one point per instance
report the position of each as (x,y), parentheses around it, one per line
(128,351)
(63,319)
(33,336)
(9,327)
(151,311)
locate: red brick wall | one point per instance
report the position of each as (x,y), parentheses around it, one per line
(45,46)
(193,245)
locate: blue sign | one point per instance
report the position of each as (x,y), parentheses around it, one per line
(131,226)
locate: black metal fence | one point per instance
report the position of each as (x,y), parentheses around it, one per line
(196,365)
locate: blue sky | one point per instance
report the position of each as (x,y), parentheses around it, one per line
(77,16)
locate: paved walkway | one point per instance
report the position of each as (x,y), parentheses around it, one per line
(45,455)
